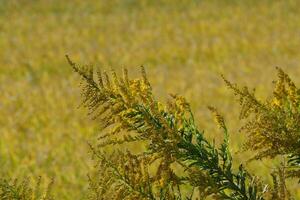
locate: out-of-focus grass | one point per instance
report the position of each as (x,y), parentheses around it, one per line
(184,45)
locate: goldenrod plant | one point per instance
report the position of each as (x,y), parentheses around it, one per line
(128,112)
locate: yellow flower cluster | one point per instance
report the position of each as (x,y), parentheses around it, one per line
(285,92)
(274,126)
(128,109)
(219,119)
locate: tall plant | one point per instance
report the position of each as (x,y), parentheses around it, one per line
(128,112)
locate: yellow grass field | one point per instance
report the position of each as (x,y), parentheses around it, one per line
(184,44)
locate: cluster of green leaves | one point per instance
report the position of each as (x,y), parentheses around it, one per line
(203,155)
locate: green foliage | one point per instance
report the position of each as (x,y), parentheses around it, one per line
(218,163)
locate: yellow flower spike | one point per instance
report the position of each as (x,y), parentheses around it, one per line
(125,76)
(115,78)
(144,76)
(217,117)
(107,81)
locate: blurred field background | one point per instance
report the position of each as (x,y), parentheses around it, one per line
(184,45)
